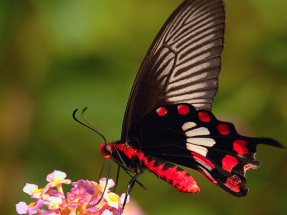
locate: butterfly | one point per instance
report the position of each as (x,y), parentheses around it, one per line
(168,119)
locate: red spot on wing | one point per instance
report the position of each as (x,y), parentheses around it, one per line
(202,160)
(232,183)
(161,111)
(223,129)
(240,147)
(203,116)
(182,109)
(228,162)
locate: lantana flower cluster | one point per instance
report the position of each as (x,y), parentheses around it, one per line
(81,200)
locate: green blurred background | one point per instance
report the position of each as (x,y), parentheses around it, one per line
(57,55)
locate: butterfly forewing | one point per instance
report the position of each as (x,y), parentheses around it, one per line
(182,64)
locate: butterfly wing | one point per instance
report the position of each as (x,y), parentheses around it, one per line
(196,139)
(182,64)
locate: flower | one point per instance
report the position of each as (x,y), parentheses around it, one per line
(23,208)
(82,199)
(32,189)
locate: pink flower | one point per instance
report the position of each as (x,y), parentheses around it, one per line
(123,198)
(82,199)
(112,199)
(45,212)
(107,212)
(110,184)
(53,202)
(82,184)
(23,208)
(33,191)
(57,177)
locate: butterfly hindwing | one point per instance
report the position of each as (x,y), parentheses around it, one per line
(195,138)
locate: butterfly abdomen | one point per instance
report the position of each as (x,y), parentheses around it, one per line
(164,170)
(172,174)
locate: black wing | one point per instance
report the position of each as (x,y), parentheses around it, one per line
(196,139)
(183,62)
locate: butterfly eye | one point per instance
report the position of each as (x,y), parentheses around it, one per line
(106,150)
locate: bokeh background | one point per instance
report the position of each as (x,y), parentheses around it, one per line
(57,55)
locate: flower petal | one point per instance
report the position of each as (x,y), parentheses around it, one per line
(56,175)
(106,212)
(113,200)
(22,208)
(45,212)
(123,198)
(103,182)
(53,202)
(29,188)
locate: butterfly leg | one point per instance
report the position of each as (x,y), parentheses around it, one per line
(117,179)
(124,166)
(129,188)
(107,180)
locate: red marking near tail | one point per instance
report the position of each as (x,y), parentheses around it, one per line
(202,160)
(232,183)
(240,147)
(182,109)
(223,129)
(228,162)
(203,116)
(161,111)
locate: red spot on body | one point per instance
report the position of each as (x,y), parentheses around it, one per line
(161,111)
(140,156)
(240,147)
(232,183)
(203,116)
(202,160)
(130,152)
(223,129)
(228,162)
(182,109)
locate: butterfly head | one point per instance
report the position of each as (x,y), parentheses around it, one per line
(107,150)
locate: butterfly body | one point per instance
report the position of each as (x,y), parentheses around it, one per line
(136,161)
(168,119)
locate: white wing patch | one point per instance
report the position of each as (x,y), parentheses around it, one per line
(208,142)
(188,125)
(197,149)
(197,132)
(194,143)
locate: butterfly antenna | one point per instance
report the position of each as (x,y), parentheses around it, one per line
(95,129)
(99,132)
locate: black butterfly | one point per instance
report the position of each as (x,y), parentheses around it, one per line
(168,118)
